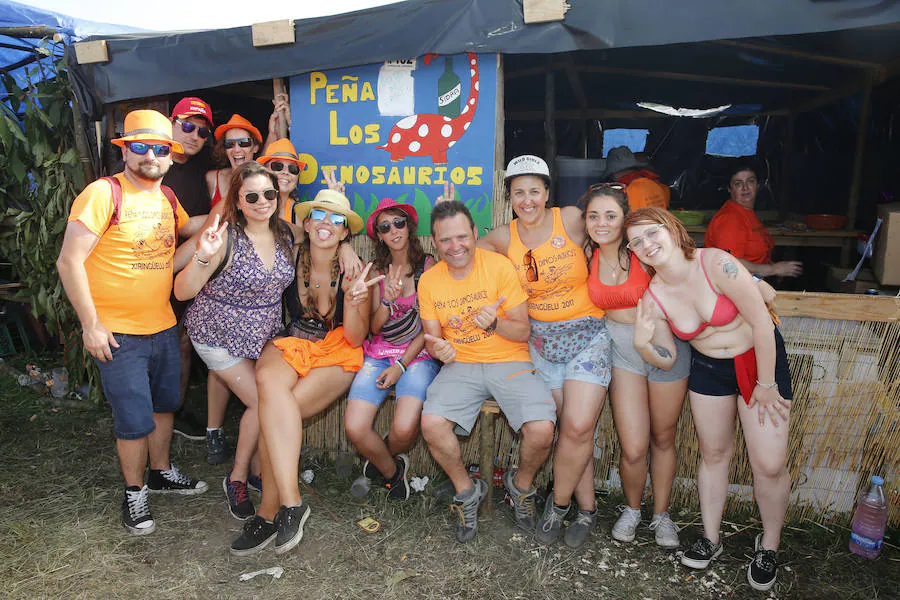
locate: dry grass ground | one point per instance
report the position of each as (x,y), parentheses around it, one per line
(61,537)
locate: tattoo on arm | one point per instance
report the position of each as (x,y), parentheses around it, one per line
(663,352)
(730,269)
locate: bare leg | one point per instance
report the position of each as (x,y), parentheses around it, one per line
(666,402)
(537,440)
(714,422)
(133,460)
(444,447)
(582,403)
(160,440)
(241,378)
(270,501)
(767,447)
(631,415)
(358,420)
(405,424)
(217,395)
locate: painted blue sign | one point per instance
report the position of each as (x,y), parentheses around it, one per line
(401,130)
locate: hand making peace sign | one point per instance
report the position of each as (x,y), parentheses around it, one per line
(211,240)
(449,193)
(332,181)
(394,284)
(359,291)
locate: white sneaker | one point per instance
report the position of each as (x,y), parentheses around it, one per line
(625,527)
(666,531)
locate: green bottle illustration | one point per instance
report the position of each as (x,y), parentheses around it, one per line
(449,90)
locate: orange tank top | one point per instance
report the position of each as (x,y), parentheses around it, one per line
(560,291)
(624,295)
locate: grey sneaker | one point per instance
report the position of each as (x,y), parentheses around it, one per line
(666,531)
(549,527)
(362,484)
(216,448)
(467,511)
(523,506)
(627,524)
(580,529)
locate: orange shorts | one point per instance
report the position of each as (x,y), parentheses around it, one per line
(333,351)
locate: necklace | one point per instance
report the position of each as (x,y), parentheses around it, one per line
(612,267)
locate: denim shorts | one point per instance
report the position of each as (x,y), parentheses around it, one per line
(413,383)
(142,378)
(216,358)
(592,365)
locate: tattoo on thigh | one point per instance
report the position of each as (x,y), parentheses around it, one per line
(662,351)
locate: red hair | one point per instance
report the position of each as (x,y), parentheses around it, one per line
(655,215)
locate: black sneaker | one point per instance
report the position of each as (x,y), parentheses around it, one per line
(523,501)
(362,484)
(290,522)
(467,511)
(136,511)
(701,553)
(187,426)
(255,535)
(763,569)
(254,482)
(173,481)
(398,485)
(216,447)
(239,502)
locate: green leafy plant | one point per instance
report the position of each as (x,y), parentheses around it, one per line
(40,175)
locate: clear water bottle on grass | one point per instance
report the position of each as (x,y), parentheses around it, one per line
(867,533)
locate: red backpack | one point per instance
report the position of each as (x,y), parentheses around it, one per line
(116,186)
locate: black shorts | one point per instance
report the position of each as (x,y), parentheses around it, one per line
(717,377)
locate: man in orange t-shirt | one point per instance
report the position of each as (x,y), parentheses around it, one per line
(475,316)
(641,184)
(735,228)
(116,265)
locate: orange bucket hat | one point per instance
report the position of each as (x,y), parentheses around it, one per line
(238,122)
(148,126)
(282,150)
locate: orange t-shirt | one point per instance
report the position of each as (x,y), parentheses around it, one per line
(130,269)
(739,231)
(644,190)
(560,292)
(454,303)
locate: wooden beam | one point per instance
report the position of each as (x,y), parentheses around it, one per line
(834,60)
(36,31)
(273,33)
(702,78)
(575,82)
(498,214)
(543,11)
(851,307)
(853,87)
(529,72)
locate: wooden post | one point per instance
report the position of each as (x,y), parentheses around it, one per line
(550,120)
(81,142)
(487,451)
(856,186)
(499,216)
(278,88)
(787,149)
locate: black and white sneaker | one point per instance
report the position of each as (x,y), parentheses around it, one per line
(187,426)
(398,485)
(701,553)
(173,481)
(256,534)
(239,502)
(290,522)
(216,446)
(136,511)
(764,568)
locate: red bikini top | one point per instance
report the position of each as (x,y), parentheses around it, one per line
(724,311)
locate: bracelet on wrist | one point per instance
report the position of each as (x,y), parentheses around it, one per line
(490,328)
(386,304)
(399,362)
(200,261)
(766,386)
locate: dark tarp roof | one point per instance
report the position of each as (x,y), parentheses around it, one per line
(166,63)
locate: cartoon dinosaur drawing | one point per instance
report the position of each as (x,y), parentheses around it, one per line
(432,134)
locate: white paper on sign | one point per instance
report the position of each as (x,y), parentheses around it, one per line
(396,89)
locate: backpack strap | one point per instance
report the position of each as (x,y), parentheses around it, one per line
(229,245)
(116,186)
(420,268)
(169,193)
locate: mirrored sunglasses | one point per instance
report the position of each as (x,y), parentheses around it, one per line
(253,197)
(202,132)
(278,166)
(143,147)
(242,142)
(397,222)
(317,214)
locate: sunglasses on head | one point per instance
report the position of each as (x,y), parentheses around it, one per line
(253,197)
(202,132)
(278,166)
(612,185)
(143,147)
(317,214)
(242,142)
(397,222)
(531,273)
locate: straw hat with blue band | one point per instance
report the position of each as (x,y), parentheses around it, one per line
(148,126)
(333,201)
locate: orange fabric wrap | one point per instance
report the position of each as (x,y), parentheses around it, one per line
(333,351)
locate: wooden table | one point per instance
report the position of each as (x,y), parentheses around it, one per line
(840,238)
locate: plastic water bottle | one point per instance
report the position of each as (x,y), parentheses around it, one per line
(867,533)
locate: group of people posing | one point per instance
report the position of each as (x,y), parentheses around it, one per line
(547,315)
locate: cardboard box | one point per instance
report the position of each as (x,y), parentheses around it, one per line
(865,280)
(886,259)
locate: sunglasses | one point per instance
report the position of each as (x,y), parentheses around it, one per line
(242,142)
(650,234)
(612,185)
(142,148)
(278,166)
(202,132)
(385,226)
(531,273)
(253,197)
(317,214)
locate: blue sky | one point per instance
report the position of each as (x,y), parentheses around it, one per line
(170,15)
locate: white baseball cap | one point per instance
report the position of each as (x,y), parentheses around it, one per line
(527,164)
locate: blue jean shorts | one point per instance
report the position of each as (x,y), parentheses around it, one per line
(413,383)
(592,365)
(142,378)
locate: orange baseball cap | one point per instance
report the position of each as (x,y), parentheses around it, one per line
(238,122)
(190,106)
